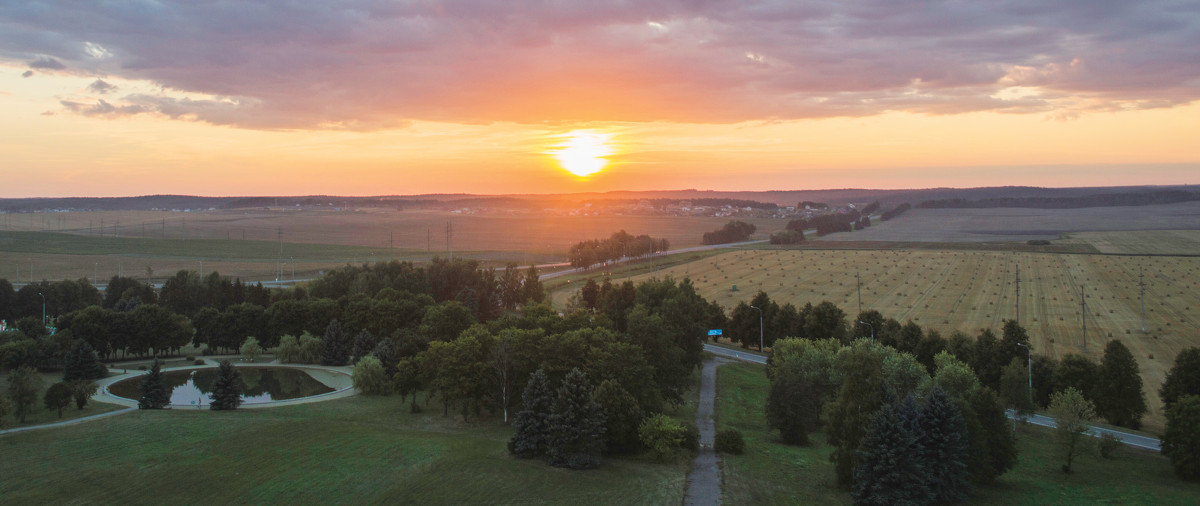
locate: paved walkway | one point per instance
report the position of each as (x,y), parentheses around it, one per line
(704,481)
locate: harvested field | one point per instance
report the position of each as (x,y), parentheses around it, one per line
(970,291)
(1139,242)
(380,228)
(1019,224)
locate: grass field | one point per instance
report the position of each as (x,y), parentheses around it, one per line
(969,291)
(39,415)
(354,450)
(772,473)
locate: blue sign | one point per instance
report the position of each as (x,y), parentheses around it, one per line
(714,332)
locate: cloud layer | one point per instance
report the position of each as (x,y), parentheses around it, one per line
(379,64)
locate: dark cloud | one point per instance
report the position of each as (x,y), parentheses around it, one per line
(27,73)
(376,64)
(47,64)
(101,87)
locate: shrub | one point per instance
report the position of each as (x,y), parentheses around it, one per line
(207,352)
(370,378)
(730,441)
(1108,445)
(251,349)
(198,361)
(691,437)
(661,434)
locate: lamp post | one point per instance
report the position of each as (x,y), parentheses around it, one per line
(1028,368)
(43,308)
(872,329)
(760,329)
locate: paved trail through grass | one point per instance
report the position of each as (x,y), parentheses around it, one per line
(704,481)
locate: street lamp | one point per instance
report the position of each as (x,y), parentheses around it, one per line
(1028,368)
(43,308)
(872,329)
(760,329)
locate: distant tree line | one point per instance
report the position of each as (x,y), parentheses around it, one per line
(1104,200)
(787,237)
(734,231)
(584,255)
(830,223)
(894,212)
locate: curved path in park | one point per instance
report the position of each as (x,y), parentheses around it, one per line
(338,378)
(704,481)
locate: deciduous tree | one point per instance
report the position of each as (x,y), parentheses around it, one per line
(1183,378)
(57,397)
(1181,441)
(1071,412)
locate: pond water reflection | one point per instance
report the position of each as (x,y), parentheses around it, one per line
(259,384)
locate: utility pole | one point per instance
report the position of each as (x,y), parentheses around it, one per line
(391,240)
(1083,312)
(858,282)
(1142,296)
(1018,320)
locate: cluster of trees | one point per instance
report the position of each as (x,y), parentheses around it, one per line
(1180,395)
(132,318)
(830,223)
(787,237)
(734,231)
(895,211)
(616,362)
(899,432)
(823,321)
(620,245)
(870,208)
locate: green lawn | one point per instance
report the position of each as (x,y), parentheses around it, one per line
(39,415)
(353,450)
(772,473)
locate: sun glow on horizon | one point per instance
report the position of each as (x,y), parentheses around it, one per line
(583,152)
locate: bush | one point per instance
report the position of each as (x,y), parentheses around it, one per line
(251,349)
(370,378)
(198,361)
(1108,445)
(730,441)
(207,352)
(661,434)
(691,437)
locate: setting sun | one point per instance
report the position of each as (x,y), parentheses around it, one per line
(582,152)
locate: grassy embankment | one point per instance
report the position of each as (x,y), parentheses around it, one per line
(772,473)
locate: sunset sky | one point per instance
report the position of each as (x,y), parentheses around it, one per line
(408,97)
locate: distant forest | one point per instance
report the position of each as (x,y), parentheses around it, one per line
(1109,200)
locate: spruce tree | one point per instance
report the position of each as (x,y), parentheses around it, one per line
(533,421)
(385,351)
(944,443)
(227,390)
(81,363)
(155,394)
(333,345)
(890,466)
(993,447)
(576,424)
(1183,378)
(364,343)
(1119,396)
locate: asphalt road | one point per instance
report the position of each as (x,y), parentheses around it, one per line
(1135,440)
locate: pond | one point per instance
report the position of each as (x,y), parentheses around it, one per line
(259,385)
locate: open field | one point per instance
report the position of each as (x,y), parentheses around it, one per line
(380,228)
(354,450)
(39,415)
(1020,224)
(772,473)
(970,291)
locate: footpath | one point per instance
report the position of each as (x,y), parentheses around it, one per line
(704,481)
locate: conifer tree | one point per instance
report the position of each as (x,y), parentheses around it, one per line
(155,394)
(623,415)
(227,390)
(81,363)
(576,425)
(944,437)
(385,351)
(333,345)
(364,342)
(891,468)
(1183,378)
(1119,396)
(533,421)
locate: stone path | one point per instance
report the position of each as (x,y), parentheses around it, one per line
(704,481)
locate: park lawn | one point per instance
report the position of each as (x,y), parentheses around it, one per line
(39,415)
(357,449)
(773,473)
